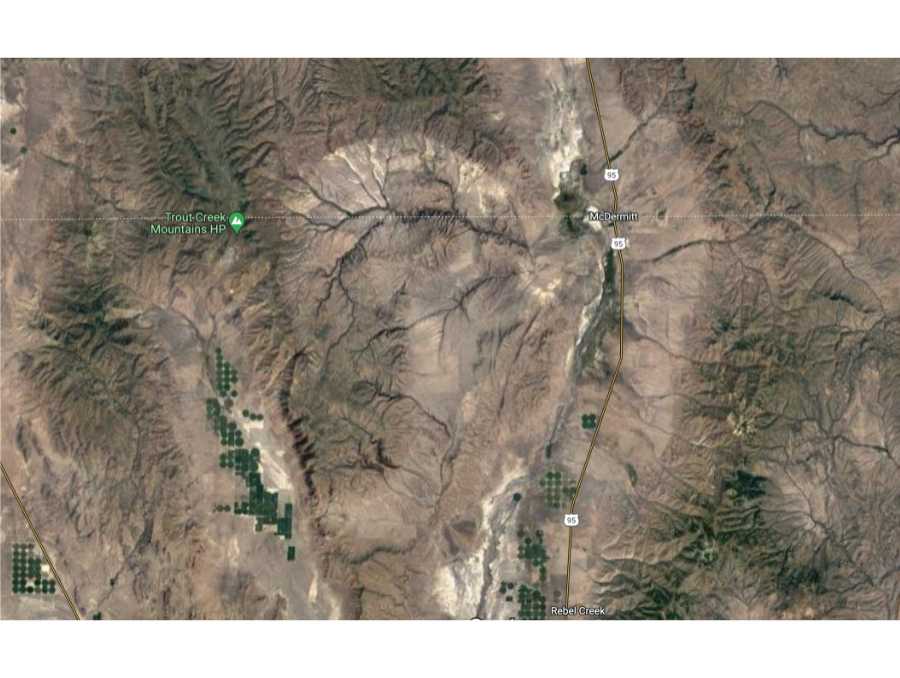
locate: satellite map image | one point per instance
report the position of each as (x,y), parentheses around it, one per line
(530,339)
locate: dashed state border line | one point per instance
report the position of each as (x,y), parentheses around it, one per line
(491,217)
(658,217)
